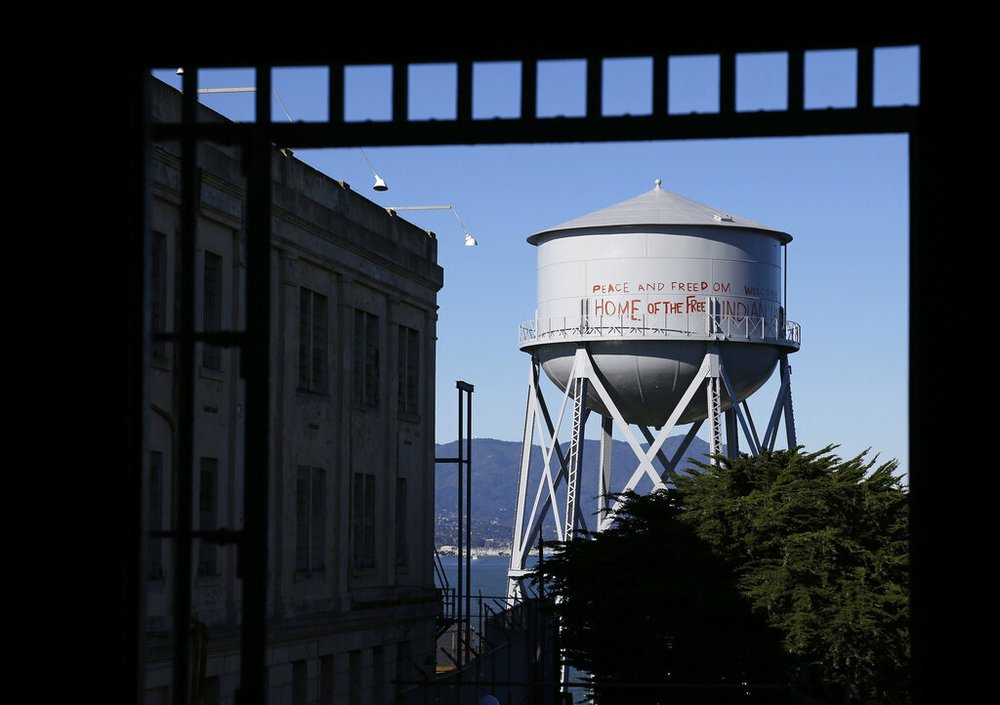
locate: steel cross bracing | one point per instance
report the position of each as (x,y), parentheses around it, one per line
(711,377)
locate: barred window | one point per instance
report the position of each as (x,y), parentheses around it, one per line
(208,514)
(211,356)
(310,519)
(363,520)
(409,371)
(402,530)
(312,341)
(366,359)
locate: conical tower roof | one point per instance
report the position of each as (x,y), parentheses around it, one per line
(659,207)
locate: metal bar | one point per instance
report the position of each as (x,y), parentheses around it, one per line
(467,389)
(133,470)
(594,90)
(547,453)
(536,517)
(784,287)
(732,435)
(335,112)
(661,86)
(682,448)
(771,432)
(253,558)
(727,82)
(738,414)
(714,402)
(529,90)
(604,476)
(516,552)
(865,78)
(575,464)
(786,372)
(796,82)
(651,439)
(400,96)
(463,92)
(539,508)
(753,429)
(184,468)
(307,135)
(460,529)
(211,91)
(553,429)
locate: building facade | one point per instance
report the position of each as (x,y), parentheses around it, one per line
(351,595)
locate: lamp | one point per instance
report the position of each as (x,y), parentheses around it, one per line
(380,184)
(469,240)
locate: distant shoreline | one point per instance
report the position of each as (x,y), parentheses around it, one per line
(452,552)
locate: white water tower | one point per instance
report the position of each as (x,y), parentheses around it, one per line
(653,312)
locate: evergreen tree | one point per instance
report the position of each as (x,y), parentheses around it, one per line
(746,568)
(821,547)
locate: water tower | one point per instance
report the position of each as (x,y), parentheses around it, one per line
(654,312)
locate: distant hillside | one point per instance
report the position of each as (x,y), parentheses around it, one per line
(495,466)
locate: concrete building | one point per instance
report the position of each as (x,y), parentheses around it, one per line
(351,596)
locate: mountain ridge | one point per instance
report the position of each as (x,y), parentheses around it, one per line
(495,469)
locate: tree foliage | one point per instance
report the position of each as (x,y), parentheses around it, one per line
(788,567)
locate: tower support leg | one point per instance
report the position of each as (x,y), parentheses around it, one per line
(782,403)
(604,478)
(714,402)
(584,382)
(575,464)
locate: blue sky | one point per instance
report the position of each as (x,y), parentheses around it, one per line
(843,199)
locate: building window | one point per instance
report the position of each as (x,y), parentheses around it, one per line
(409,371)
(208,514)
(211,355)
(366,359)
(158,284)
(402,530)
(310,519)
(378,675)
(363,519)
(326,680)
(354,676)
(299,682)
(312,341)
(155,514)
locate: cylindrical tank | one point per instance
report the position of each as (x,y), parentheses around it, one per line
(649,284)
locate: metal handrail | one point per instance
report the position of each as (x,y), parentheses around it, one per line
(755,328)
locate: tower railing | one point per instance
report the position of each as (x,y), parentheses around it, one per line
(700,326)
